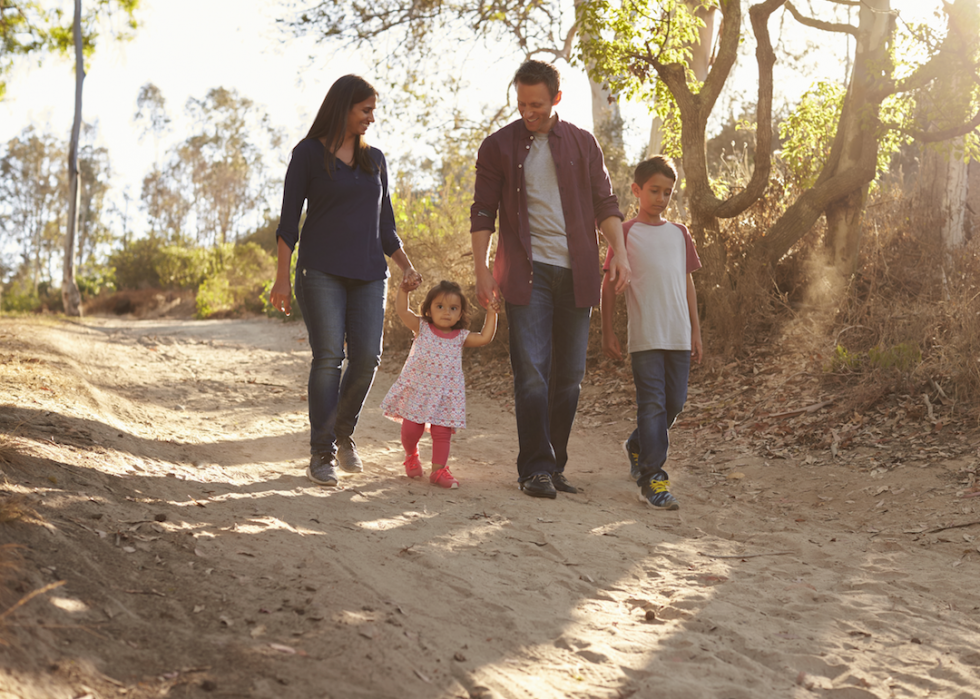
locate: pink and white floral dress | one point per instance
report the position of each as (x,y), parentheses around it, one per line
(431,389)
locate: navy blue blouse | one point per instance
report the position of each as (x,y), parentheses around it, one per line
(350,225)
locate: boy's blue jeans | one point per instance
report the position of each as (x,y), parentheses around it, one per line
(338,310)
(548,342)
(660,377)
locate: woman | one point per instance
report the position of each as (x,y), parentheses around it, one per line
(341,274)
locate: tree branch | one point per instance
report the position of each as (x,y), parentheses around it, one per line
(927,136)
(820,24)
(766,58)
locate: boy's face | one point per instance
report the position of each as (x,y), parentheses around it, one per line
(535,104)
(654,195)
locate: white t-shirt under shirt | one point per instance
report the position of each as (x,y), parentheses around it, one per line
(549,241)
(660,259)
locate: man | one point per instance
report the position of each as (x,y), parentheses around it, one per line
(549,183)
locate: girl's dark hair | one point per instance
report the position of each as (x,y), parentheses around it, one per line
(536,72)
(449,288)
(331,121)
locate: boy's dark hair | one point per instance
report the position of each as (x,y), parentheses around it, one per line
(451,289)
(535,72)
(657,165)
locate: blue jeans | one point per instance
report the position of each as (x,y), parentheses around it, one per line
(337,309)
(548,340)
(660,377)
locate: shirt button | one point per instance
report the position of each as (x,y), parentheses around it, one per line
(527,147)
(518,189)
(520,166)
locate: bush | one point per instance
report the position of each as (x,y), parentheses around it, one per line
(184,268)
(136,264)
(236,285)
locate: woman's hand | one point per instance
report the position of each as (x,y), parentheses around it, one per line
(411,279)
(280,295)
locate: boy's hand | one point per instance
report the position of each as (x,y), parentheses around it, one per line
(611,348)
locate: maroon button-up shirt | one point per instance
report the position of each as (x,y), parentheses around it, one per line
(586,200)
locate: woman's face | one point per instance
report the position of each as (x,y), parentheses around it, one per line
(361,116)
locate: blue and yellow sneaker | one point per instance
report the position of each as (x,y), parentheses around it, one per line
(656,493)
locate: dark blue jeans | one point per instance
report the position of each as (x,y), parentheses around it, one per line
(548,340)
(337,309)
(660,377)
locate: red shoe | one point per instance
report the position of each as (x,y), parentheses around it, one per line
(413,467)
(443,478)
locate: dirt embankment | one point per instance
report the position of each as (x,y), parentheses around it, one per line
(153,473)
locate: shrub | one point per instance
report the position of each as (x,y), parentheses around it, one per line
(236,284)
(136,264)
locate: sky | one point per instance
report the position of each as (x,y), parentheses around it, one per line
(186,47)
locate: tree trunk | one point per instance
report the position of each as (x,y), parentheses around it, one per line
(69,289)
(856,140)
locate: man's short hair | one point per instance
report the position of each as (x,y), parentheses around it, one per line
(536,72)
(657,165)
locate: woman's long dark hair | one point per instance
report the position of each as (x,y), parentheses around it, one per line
(331,121)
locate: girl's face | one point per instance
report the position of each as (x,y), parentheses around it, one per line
(361,116)
(445,311)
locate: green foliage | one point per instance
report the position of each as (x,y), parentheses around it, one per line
(184,268)
(19,297)
(136,264)
(237,282)
(809,131)
(904,357)
(95,281)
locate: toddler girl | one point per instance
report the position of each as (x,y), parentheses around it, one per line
(430,389)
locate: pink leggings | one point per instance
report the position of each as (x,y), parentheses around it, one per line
(412,432)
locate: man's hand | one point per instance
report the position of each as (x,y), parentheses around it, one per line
(619,272)
(487,290)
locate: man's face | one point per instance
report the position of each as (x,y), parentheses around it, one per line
(535,104)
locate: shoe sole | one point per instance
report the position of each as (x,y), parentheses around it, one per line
(669,508)
(351,468)
(539,494)
(314,479)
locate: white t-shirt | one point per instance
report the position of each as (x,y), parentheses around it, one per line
(660,259)
(549,242)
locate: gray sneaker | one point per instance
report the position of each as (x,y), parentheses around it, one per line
(347,456)
(322,470)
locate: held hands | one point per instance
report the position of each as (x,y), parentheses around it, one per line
(411,279)
(487,290)
(611,346)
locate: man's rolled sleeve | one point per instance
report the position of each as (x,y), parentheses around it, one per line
(486,190)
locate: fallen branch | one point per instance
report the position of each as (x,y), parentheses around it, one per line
(951,526)
(747,555)
(28,598)
(809,409)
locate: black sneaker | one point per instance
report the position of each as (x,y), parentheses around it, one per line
(322,470)
(561,483)
(656,493)
(539,486)
(634,458)
(347,456)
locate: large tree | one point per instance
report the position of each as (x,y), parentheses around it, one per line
(645,44)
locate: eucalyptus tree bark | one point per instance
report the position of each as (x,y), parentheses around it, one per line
(943,186)
(69,289)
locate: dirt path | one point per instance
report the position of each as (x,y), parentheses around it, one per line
(158,470)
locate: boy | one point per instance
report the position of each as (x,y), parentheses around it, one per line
(664,331)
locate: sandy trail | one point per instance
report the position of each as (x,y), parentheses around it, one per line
(161,464)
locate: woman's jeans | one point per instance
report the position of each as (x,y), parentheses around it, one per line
(336,309)
(548,342)
(660,377)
